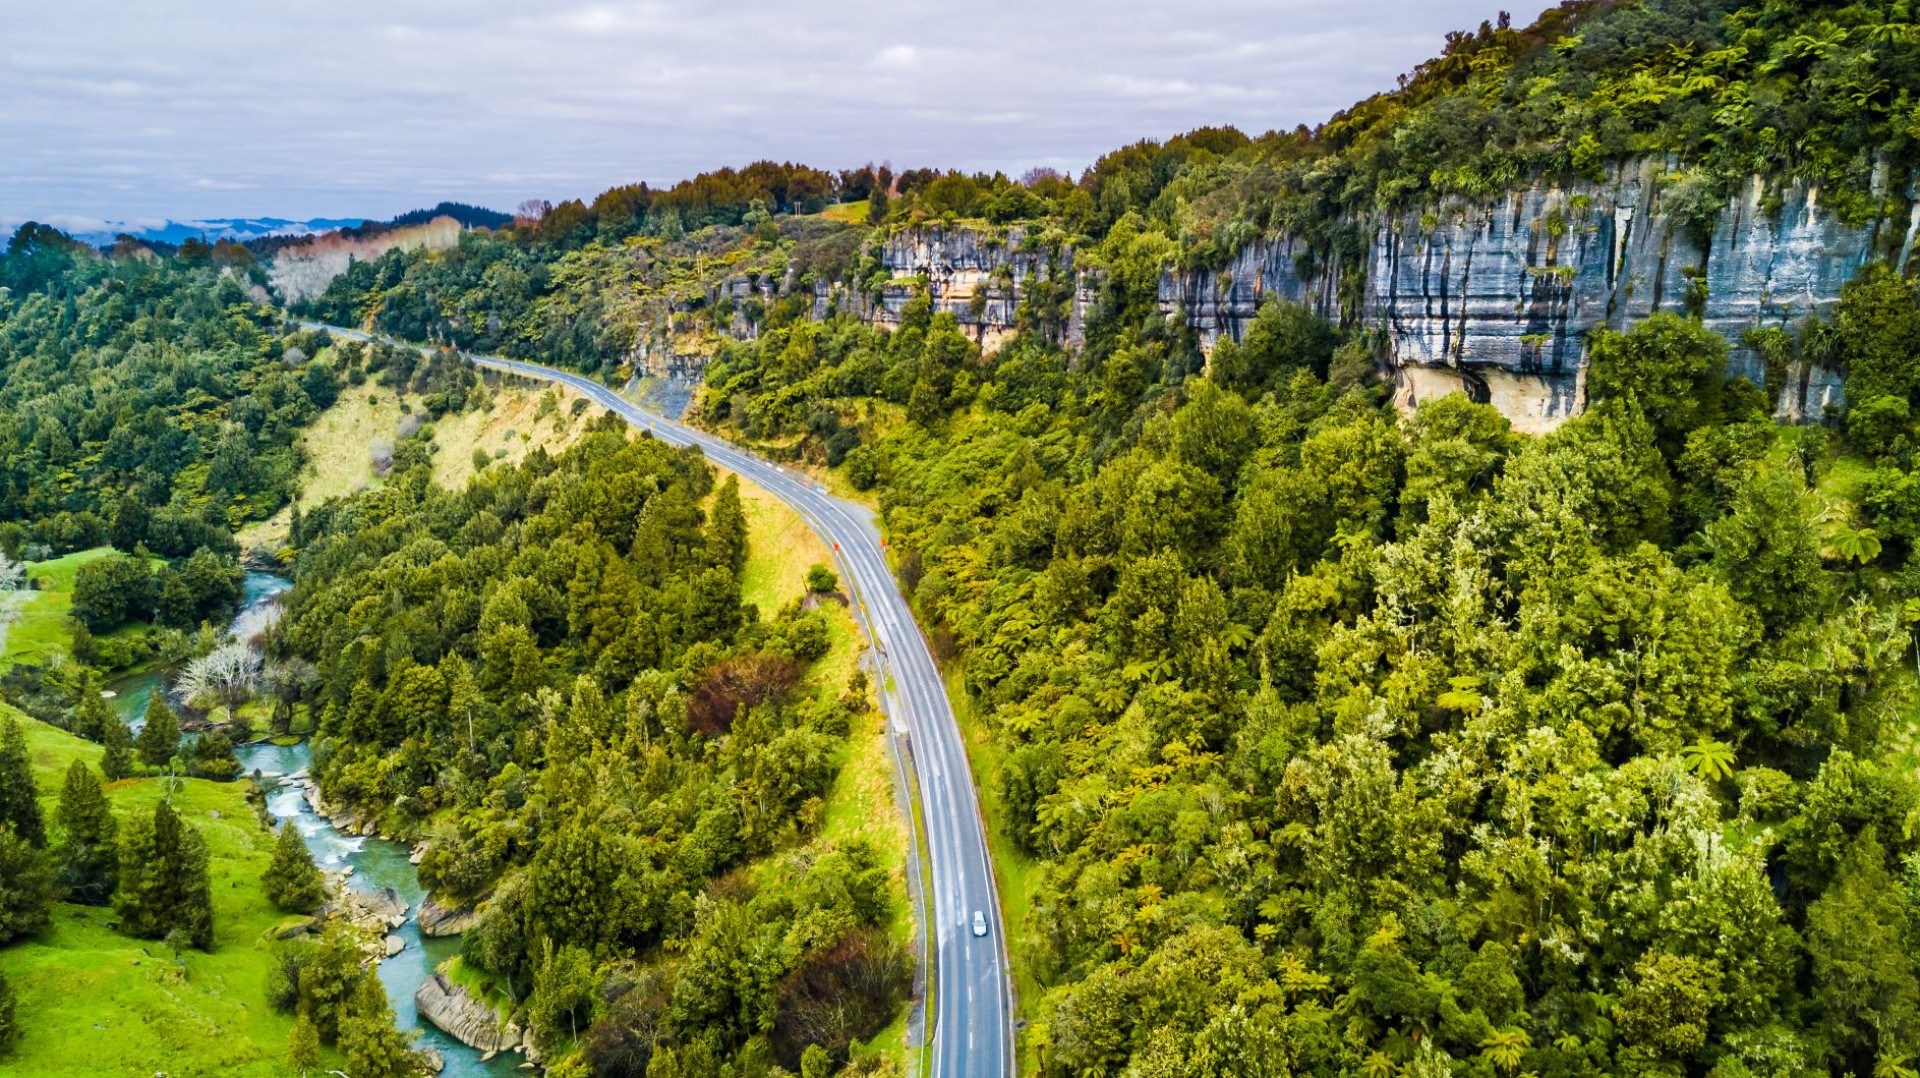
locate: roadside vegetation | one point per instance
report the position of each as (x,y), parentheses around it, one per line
(629,766)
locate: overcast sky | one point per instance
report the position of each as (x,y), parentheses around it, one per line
(140,109)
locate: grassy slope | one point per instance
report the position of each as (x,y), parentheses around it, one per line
(338,443)
(509,429)
(780,549)
(43,632)
(850,213)
(93,1002)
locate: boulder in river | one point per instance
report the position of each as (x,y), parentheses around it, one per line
(379,911)
(465,1019)
(395,945)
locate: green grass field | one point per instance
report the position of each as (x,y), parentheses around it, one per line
(93,1002)
(42,631)
(847,213)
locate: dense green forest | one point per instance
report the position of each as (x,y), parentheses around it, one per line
(146,400)
(1357,743)
(553,675)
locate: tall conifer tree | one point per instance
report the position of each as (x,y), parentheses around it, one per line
(159,739)
(88,861)
(163,880)
(19,799)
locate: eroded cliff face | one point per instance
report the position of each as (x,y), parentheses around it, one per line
(1497,298)
(304,270)
(980,278)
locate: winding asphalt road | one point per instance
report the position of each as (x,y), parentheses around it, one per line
(972,1034)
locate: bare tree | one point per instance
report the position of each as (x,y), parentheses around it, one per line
(226,675)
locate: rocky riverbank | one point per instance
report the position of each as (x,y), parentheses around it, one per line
(400,929)
(469,1021)
(438,920)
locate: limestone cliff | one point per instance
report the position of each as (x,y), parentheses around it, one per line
(1497,298)
(980,278)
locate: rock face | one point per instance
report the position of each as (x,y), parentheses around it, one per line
(462,1017)
(1493,298)
(377,911)
(438,920)
(1497,298)
(980,278)
(305,269)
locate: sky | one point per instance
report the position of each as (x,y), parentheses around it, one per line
(191,109)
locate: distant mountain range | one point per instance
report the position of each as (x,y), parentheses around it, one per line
(93,230)
(100,232)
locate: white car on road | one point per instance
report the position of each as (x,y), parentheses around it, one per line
(979,923)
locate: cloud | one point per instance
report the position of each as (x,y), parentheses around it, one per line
(369,108)
(898,57)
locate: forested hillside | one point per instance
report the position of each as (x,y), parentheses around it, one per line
(1353,742)
(143,399)
(1328,739)
(553,676)
(149,405)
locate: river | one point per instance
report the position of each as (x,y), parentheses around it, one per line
(376,862)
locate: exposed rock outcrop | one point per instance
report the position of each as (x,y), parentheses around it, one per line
(379,912)
(1497,298)
(439,920)
(978,277)
(465,1019)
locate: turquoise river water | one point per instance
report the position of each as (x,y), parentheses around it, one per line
(376,862)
